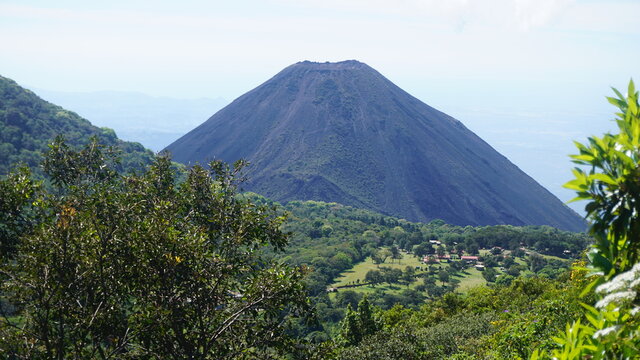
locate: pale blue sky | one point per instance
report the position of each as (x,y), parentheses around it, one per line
(528,76)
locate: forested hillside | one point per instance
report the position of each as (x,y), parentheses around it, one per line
(352,253)
(28,124)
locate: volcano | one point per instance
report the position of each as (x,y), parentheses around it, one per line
(342,132)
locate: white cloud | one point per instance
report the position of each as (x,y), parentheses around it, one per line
(514,14)
(536,13)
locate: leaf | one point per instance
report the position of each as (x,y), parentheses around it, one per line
(600,262)
(576,184)
(617,102)
(617,93)
(578,198)
(604,178)
(588,158)
(535,355)
(587,289)
(633,107)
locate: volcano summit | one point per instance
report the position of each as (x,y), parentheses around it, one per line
(341,132)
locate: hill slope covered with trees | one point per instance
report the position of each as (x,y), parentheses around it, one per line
(28,124)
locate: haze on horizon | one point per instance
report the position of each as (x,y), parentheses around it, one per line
(527,76)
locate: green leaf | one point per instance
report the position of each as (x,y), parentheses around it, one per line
(585,157)
(633,107)
(604,178)
(617,93)
(575,185)
(617,102)
(600,262)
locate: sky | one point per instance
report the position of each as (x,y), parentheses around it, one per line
(528,76)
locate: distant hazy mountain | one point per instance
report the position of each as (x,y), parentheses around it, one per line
(342,132)
(28,124)
(155,122)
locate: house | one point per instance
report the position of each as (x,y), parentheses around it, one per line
(469,259)
(430,259)
(435,242)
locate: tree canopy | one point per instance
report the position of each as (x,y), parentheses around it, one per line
(137,266)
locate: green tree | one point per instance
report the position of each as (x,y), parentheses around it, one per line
(536,262)
(19,211)
(139,267)
(374,277)
(358,324)
(443,275)
(395,253)
(368,323)
(391,275)
(409,274)
(423,249)
(348,297)
(381,256)
(489,274)
(340,261)
(350,328)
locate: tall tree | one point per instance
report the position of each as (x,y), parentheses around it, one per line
(358,324)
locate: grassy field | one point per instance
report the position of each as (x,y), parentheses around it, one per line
(471,277)
(359,271)
(551,257)
(468,278)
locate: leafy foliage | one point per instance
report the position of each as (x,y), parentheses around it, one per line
(501,322)
(139,267)
(612,188)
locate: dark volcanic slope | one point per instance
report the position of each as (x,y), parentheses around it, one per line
(342,132)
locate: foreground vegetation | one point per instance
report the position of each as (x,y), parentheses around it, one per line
(112,266)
